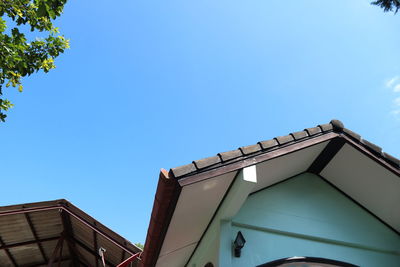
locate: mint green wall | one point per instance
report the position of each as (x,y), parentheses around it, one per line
(305,216)
(211,245)
(209,251)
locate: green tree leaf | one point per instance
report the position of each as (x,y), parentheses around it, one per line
(388,5)
(20,57)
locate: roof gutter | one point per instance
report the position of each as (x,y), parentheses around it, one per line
(167,194)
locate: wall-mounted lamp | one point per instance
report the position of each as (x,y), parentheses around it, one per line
(238,244)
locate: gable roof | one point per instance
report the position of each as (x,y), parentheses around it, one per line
(329,150)
(262,147)
(38,234)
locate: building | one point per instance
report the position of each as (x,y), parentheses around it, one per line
(56,233)
(319,197)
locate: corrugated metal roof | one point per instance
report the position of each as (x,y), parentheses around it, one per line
(36,234)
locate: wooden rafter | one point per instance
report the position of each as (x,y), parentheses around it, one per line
(9,255)
(323,159)
(56,250)
(123,254)
(33,230)
(46,263)
(80,258)
(28,242)
(94,253)
(66,221)
(95,247)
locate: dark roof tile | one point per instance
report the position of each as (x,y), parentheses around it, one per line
(313,131)
(371,146)
(225,156)
(352,134)
(337,125)
(202,163)
(326,127)
(394,160)
(250,149)
(268,144)
(284,139)
(299,135)
(182,170)
(242,152)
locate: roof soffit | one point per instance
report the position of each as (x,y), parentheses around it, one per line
(369,183)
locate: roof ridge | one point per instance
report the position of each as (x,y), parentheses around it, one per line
(277,142)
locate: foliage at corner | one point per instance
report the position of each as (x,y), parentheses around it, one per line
(20,57)
(388,5)
(139,245)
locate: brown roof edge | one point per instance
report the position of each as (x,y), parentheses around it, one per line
(167,194)
(107,233)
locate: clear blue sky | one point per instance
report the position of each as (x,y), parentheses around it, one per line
(156,84)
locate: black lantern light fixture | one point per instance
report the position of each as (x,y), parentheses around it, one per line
(238,244)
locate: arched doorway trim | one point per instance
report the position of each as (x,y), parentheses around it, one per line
(287,262)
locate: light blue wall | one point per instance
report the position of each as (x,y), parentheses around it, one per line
(305,216)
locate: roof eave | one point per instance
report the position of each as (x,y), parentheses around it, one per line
(167,194)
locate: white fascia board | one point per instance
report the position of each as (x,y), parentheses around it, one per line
(242,186)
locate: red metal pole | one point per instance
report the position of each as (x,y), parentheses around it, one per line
(129,260)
